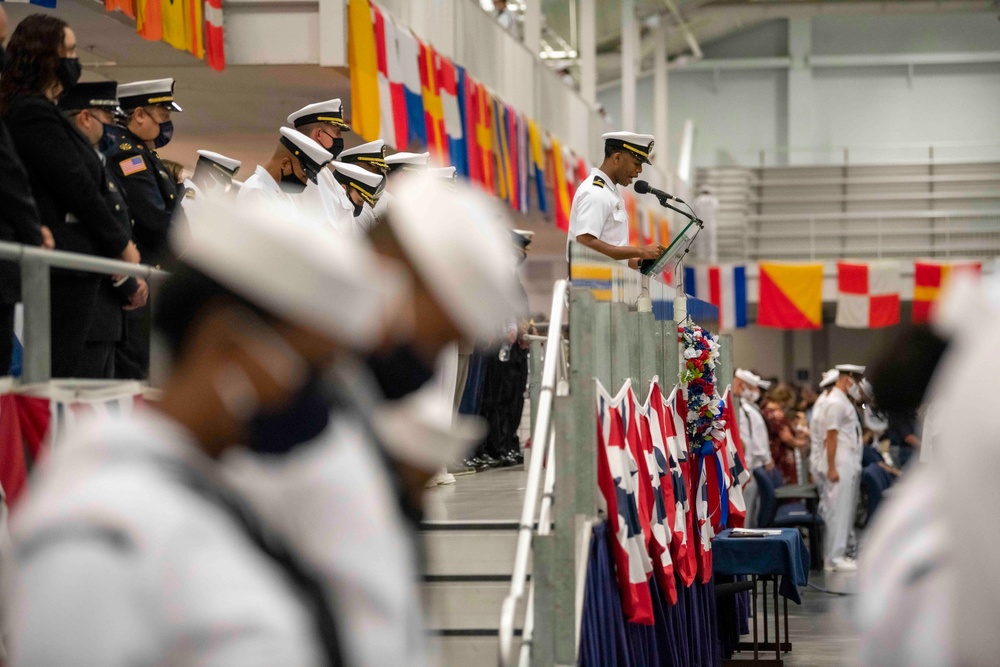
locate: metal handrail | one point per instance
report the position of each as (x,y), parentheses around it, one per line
(540,434)
(62,259)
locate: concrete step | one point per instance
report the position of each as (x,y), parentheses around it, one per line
(470,548)
(467,603)
(472,650)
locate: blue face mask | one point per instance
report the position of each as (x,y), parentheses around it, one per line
(302,419)
(166,133)
(110,138)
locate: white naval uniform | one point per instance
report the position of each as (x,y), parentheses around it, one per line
(382,205)
(365,220)
(838,501)
(756,449)
(334,502)
(327,200)
(817,436)
(260,189)
(598,209)
(121,564)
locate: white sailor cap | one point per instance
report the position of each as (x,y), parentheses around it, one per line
(750,378)
(311,155)
(334,285)
(522,237)
(457,240)
(330,111)
(372,153)
(368,185)
(639,145)
(155,92)
(407,161)
(852,369)
(829,377)
(219,161)
(444,173)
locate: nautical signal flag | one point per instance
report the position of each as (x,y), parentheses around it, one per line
(929,279)
(791,296)
(448,80)
(363,60)
(437,138)
(724,286)
(867,294)
(409,69)
(561,193)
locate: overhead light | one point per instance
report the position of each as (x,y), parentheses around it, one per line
(558,55)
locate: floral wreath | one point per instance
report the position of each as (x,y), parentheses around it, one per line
(705,421)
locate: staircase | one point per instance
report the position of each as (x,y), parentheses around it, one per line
(467,576)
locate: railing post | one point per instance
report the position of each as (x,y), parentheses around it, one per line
(543,572)
(37,360)
(534,377)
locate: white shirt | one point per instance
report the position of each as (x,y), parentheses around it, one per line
(262,189)
(817,435)
(843,418)
(327,201)
(122,565)
(365,220)
(334,502)
(753,433)
(598,209)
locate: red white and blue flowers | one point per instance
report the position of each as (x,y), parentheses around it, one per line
(706,423)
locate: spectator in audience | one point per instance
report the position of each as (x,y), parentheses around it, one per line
(903,436)
(504,16)
(19,222)
(753,433)
(175,169)
(66,176)
(784,441)
(91,107)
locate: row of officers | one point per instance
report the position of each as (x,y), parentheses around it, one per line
(81,173)
(264,510)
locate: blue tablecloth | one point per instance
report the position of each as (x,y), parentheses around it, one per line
(783,555)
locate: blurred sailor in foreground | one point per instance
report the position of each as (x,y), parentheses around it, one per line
(295,163)
(598,218)
(351,500)
(324,123)
(131,549)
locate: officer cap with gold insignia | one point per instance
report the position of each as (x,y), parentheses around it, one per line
(368,185)
(310,154)
(92,95)
(370,154)
(404,161)
(219,162)
(639,145)
(330,111)
(155,92)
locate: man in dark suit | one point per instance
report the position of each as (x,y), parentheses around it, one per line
(92,107)
(151,193)
(19,222)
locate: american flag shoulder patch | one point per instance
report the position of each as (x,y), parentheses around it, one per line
(132,165)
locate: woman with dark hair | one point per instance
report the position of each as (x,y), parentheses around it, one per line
(67,180)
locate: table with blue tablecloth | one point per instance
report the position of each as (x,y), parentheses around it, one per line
(782,557)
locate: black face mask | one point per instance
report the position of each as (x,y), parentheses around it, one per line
(69,72)
(358,208)
(110,139)
(338,146)
(165,135)
(291,184)
(303,419)
(399,372)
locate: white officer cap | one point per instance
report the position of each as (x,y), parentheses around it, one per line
(829,377)
(424,431)
(447,174)
(369,185)
(456,240)
(320,112)
(279,260)
(639,145)
(748,377)
(852,369)
(372,153)
(407,161)
(311,155)
(220,161)
(155,92)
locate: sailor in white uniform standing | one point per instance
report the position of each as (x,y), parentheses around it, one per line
(296,162)
(817,436)
(598,218)
(131,549)
(753,434)
(324,123)
(399,164)
(371,158)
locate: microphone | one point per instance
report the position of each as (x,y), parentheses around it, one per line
(642,187)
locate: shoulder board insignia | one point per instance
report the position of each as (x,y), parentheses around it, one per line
(125,146)
(599,182)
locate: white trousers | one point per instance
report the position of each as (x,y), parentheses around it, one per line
(838,505)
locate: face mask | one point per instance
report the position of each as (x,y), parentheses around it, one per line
(399,372)
(854,391)
(110,138)
(302,419)
(165,135)
(358,208)
(69,72)
(291,184)
(338,146)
